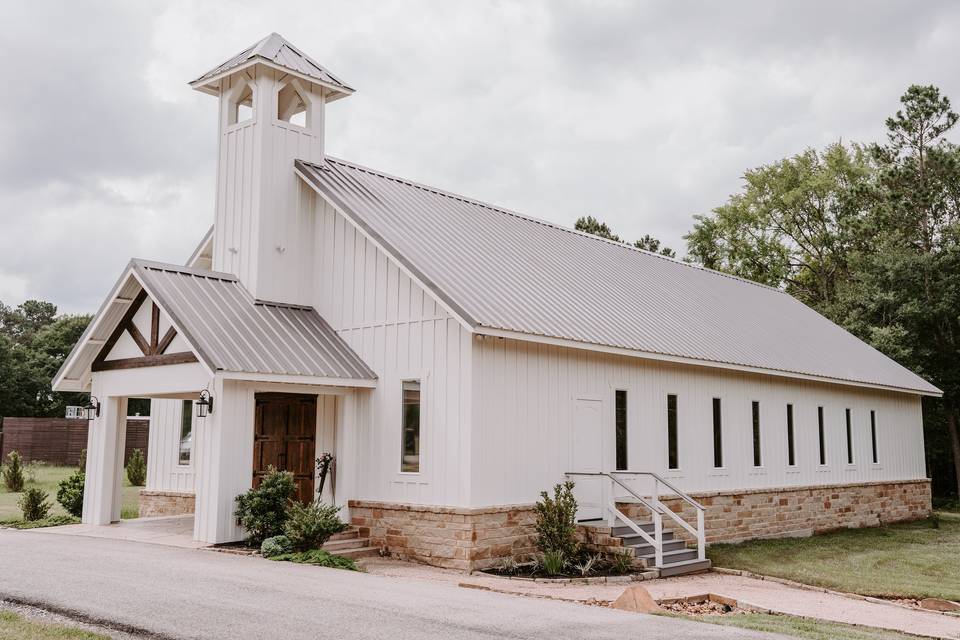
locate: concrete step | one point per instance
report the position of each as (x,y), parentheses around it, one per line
(644,549)
(337,546)
(684,567)
(350,534)
(362,552)
(669,557)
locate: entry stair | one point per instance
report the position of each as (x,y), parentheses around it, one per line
(654,544)
(351,543)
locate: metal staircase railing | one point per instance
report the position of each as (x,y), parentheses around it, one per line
(611,513)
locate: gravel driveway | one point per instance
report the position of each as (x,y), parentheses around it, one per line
(182,593)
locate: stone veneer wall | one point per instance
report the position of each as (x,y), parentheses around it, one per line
(478,538)
(165,503)
(452,537)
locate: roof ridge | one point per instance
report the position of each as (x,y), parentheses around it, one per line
(177,268)
(528,218)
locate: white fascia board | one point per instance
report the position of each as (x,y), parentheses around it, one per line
(204,85)
(312,381)
(392,255)
(206,241)
(634,353)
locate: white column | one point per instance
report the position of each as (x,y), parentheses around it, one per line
(224,441)
(102,460)
(120,470)
(348,430)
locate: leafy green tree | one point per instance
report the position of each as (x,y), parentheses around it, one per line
(589,224)
(651,244)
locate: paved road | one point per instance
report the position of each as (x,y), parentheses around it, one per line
(182,593)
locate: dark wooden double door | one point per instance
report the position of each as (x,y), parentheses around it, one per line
(285,431)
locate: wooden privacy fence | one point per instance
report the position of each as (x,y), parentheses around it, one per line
(60,440)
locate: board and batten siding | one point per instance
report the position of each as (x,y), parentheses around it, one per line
(402,333)
(164,471)
(525,403)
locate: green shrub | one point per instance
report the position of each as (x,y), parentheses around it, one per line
(49,521)
(320,558)
(13,476)
(137,468)
(621,562)
(70,493)
(35,504)
(554,562)
(309,526)
(82,462)
(262,512)
(275,546)
(557,521)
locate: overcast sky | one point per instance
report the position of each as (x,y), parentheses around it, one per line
(640,113)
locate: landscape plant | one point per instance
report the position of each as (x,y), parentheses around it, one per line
(557,521)
(35,504)
(320,558)
(621,562)
(82,460)
(13,475)
(137,468)
(262,511)
(70,493)
(309,526)
(275,546)
(554,562)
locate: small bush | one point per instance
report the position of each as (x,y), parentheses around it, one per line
(137,468)
(557,521)
(82,462)
(35,504)
(70,493)
(621,562)
(49,521)
(275,546)
(588,564)
(320,558)
(262,512)
(13,477)
(554,562)
(309,526)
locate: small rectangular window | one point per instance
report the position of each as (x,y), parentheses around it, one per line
(873,436)
(186,433)
(672,453)
(410,457)
(849,439)
(621,429)
(717,435)
(757,458)
(823,444)
(791,449)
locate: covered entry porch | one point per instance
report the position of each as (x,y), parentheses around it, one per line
(278,386)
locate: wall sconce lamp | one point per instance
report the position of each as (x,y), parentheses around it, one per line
(92,408)
(204,404)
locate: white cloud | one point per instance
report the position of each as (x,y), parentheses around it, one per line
(642,114)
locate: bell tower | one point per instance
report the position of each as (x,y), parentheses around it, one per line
(272,107)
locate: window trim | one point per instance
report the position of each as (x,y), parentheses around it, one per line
(420,430)
(791,438)
(675,430)
(874,439)
(756,424)
(617,394)
(848,420)
(193,425)
(822,436)
(717,415)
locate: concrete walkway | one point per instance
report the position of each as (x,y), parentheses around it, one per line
(764,594)
(169,531)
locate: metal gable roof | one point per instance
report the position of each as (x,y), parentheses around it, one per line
(227,328)
(275,49)
(499,270)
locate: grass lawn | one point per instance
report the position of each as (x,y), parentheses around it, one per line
(911,559)
(13,625)
(804,628)
(47,477)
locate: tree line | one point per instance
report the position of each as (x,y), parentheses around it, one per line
(869,236)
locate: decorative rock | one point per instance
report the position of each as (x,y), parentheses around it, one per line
(939,604)
(636,599)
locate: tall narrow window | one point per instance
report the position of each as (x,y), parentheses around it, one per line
(717,435)
(673,458)
(186,433)
(823,444)
(791,449)
(849,439)
(873,435)
(621,429)
(757,458)
(410,456)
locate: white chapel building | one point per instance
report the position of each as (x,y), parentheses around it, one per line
(458,358)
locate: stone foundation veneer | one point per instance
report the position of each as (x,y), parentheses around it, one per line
(165,503)
(478,538)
